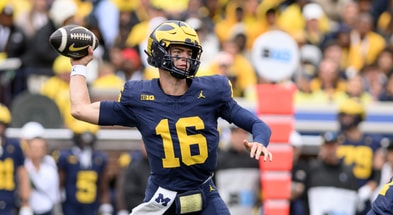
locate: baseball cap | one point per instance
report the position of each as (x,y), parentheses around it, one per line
(61,10)
(312,11)
(32,130)
(330,137)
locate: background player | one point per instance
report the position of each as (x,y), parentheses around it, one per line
(361,150)
(82,174)
(14,179)
(177,116)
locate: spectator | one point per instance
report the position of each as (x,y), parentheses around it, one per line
(14,184)
(107,15)
(82,172)
(331,185)
(13,43)
(101,53)
(131,66)
(366,44)
(337,51)
(355,89)
(241,194)
(314,33)
(349,15)
(42,169)
(384,61)
(38,60)
(373,80)
(137,37)
(333,8)
(107,79)
(57,87)
(223,64)
(130,14)
(328,79)
(294,12)
(242,68)
(305,95)
(33,19)
(387,91)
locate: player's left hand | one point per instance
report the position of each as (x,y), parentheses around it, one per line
(257,149)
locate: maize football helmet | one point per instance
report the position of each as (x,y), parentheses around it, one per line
(173,32)
(84,133)
(350,114)
(352,107)
(5,115)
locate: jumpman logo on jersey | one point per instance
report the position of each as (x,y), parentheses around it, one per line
(201,96)
(211,188)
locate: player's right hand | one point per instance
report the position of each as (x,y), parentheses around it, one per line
(83,60)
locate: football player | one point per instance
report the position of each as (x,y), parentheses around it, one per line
(177,115)
(383,204)
(362,151)
(14,179)
(82,174)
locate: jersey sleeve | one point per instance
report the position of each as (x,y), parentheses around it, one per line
(241,117)
(120,112)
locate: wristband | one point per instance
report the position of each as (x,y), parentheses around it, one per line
(79,70)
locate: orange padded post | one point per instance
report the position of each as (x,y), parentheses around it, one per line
(276,207)
(276,185)
(281,127)
(275,99)
(282,158)
(276,107)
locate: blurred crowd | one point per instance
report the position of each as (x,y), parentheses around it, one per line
(345,48)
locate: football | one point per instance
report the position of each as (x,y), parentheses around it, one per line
(73,41)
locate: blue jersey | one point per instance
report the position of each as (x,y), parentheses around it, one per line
(82,184)
(11,159)
(383,204)
(360,155)
(180,132)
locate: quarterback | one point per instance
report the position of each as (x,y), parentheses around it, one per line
(177,116)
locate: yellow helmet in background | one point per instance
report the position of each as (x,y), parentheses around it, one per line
(352,107)
(84,133)
(5,115)
(61,65)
